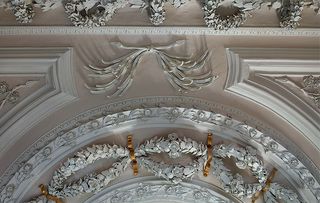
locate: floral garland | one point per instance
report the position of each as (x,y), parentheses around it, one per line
(98,12)
(92,13)
(175,173)
(290,14)
(157,12)
(218,22)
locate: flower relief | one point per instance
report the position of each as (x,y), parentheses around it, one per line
(174,173)
(98,12)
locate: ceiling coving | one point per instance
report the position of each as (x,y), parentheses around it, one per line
(98,12)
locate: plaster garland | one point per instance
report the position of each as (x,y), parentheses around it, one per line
(174,146)
(216,21)
(183,73)
(12,96)
(99,12)
(172,114)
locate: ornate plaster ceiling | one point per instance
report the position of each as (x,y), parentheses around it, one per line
(70,97)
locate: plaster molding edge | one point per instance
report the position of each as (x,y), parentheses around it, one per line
(147,101)
(134,183)
(242,63)
(64,92)
(150,30)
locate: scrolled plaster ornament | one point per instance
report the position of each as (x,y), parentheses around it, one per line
(183,73)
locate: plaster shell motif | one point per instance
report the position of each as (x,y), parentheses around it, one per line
(173,114)
(99,12)
(174,146)
(184,73)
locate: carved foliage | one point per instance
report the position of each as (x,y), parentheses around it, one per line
(183,73)
(99,12)
(174,146)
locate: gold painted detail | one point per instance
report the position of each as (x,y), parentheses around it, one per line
(209,152)
(44,191)
(132,156)
(266,187)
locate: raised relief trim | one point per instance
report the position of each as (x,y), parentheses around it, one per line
(98,13)
(183,73)
(69,140)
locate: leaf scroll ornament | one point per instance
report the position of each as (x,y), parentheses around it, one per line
(184,73)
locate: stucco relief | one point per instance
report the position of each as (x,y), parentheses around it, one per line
(244,157)
(99,12)
(309,85)
(174,114)
(183,73)
(11,95)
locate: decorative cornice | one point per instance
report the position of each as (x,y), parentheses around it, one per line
(148,30)
(89,130)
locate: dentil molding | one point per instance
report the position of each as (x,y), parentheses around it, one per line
(53,66)
(255,73)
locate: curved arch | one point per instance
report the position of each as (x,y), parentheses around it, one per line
(147,189)
(174,116)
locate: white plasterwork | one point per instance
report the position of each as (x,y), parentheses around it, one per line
(220,125)
(55,66)
(145,30)
(251,73)
(137,190)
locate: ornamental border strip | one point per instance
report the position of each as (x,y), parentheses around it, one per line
(149,30)
(242,128)
(98,13)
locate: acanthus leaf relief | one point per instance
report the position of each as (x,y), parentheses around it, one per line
(92,13)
